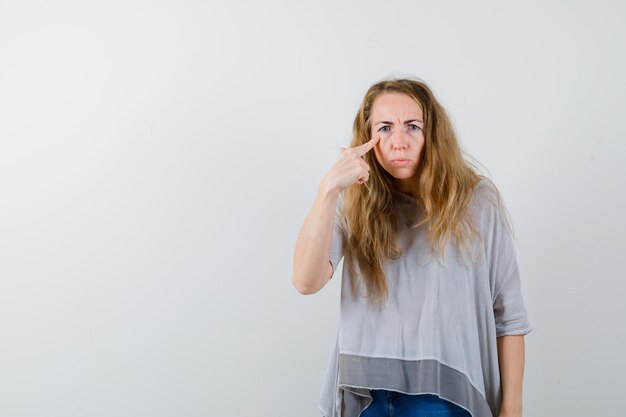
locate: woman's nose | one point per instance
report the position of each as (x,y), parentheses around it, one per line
(399,139)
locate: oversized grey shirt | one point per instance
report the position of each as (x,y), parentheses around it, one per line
(437,331)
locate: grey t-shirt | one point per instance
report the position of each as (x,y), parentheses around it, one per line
(437,331)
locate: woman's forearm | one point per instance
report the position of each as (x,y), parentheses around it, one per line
(310,261)
(511,359)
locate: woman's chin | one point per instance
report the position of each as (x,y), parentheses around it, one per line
(402,175)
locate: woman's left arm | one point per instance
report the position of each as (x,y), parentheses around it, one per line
(511,361)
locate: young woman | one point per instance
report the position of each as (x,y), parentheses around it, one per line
(432,319)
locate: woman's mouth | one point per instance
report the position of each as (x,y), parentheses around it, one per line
(400,162)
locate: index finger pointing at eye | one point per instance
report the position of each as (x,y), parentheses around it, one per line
(366,147)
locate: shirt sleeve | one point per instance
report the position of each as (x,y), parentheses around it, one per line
(336,244)
(509,309)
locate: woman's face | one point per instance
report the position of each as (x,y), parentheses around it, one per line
(397,119)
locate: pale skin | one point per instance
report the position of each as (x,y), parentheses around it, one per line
(396,133)
(511,359)
(313,243)
(398,119)
(397,139)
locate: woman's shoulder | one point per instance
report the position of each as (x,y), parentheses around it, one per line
(489,206)
(486,194)
(485,185)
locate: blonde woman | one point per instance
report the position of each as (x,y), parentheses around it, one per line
(432,319)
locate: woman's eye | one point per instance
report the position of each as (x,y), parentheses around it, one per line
(414,128)
(382,129)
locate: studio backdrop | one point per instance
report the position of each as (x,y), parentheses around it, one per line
(157,159)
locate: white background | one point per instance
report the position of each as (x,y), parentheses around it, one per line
(157,160)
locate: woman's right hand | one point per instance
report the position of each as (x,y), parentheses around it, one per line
(350,169)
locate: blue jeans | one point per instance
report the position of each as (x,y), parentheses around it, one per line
(396,404)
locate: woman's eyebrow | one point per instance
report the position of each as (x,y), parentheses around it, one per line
(390,123)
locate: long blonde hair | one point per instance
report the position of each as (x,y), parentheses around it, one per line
(445,182)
